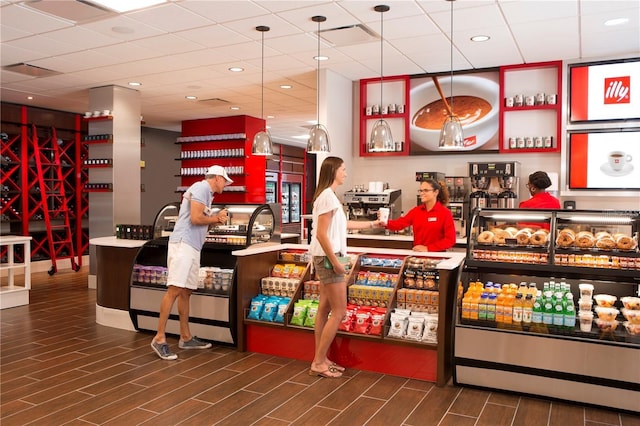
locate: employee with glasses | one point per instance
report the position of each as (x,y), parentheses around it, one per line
(433,226)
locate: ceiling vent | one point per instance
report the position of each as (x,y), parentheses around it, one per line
(215,102)
(74,11)
(349,35)
(30,70)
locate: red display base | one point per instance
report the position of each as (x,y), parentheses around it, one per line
(399,359)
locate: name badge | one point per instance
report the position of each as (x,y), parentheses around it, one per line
(432,219)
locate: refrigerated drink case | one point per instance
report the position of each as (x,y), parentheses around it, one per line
(291,198)
(271,188)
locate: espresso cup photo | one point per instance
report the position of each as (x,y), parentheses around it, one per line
(617,160)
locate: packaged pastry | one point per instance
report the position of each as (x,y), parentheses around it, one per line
(585,239)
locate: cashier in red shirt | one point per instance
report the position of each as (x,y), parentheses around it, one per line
(433,227)
(540,199)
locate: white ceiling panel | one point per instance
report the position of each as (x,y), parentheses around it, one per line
(186,47)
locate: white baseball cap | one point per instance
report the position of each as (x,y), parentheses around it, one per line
(219,171)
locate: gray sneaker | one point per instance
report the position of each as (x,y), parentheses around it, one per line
(163,351)
(194,343)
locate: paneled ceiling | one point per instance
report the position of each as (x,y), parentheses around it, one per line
(186,47)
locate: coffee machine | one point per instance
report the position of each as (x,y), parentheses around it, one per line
(365,205)
(494,185)
(459,188)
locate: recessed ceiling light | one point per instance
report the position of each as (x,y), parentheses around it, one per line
(135,83)
(286,86)
(271,116)
(236,69)
(235,108)
(122,6)
(30,97)
(480,38)
(321,58)
(616,21)
(191,97)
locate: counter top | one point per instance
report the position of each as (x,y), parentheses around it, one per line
(394,237)
(450,260)
(112,241)
(14,239)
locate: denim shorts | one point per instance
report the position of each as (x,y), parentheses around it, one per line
(325,275)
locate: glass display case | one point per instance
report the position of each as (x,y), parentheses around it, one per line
(213,303)
(546,315)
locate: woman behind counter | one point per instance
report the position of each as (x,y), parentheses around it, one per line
(433,226)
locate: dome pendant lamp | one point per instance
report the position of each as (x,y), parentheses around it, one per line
(319,135)
(451,136)
(262,144)
(381,139)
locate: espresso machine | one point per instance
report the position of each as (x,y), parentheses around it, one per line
(494,185)
(459,188)
(365,205)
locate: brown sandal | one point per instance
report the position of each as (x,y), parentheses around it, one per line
(326,372)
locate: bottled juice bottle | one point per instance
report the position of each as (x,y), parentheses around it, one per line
(536,311)
(569,312)
(523,289)
(491,307)
(466,305)
(547,312)
(473,305)
(500,299)
(482,306)
(533,289)
(527,309)
(517,309)
(507,309)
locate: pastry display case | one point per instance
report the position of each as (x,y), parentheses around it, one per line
(213,303)
(547,315)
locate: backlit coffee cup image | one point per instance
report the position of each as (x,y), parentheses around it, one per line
(617,160)
(383,214)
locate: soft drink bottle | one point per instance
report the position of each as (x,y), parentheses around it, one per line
(536,312)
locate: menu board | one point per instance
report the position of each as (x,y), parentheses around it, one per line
(604,91)
(604,160)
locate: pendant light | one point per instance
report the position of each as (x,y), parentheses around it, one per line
(319,135)
(451,136)
(262,144)
(381,139)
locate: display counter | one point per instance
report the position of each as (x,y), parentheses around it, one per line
(212,305)
(114,260)
(550,305)
(383,351)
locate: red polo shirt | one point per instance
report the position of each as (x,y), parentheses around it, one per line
(541,200)
(432,228)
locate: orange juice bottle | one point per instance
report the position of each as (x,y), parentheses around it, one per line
(500,307)
(473,305)
(466,305)
(507,309)
(491,307)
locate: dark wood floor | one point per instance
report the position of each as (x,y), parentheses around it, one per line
(59,367)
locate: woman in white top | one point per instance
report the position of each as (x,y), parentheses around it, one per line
(329,239)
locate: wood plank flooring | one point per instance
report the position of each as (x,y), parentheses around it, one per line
(58,367)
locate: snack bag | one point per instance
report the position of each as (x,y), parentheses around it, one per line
(287,270)
(299,312)
(312,311)
(347,321)
(270,309)
(297,272)
(363,320)
(415,327)
(283,303)
(257,303)
(277,270)
(399,323)
(377,319)
(430,333)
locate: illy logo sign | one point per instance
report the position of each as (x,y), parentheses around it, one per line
(617,89)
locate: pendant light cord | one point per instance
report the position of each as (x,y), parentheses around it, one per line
(262,81)
(381,60)
(451,54)
(318,77)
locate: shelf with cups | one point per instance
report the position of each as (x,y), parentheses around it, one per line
(98,118)
(395,95)
(90,139)
(97,163)
(531,109)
